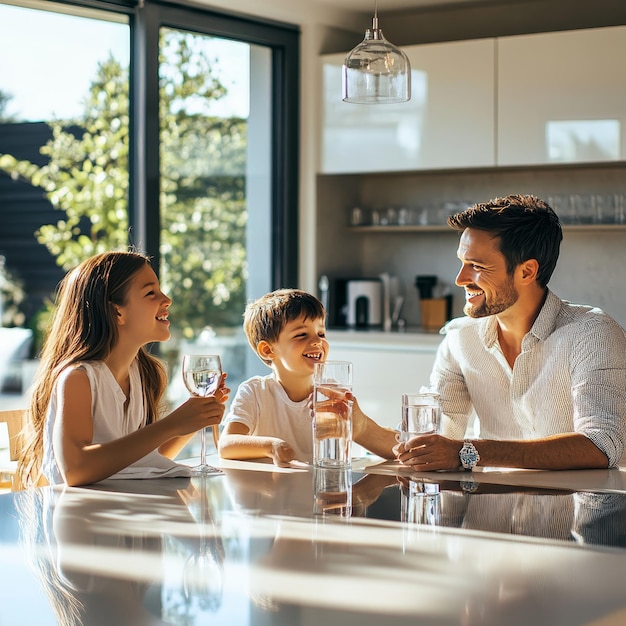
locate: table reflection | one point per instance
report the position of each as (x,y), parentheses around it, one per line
(420,503)
(129,552)
(98,561)
(268,546)
(586,518)
(332,491)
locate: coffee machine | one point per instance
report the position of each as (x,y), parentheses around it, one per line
(364,303)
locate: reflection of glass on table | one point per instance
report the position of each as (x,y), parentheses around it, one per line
(203,576)
(332,489)
(421,503)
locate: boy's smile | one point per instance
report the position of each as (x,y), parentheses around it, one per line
(317,356)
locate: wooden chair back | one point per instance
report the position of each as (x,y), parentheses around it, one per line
(14,420)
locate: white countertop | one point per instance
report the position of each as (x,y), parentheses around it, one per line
(373,339)
(124,551)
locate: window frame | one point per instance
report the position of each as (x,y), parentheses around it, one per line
(144,129)
(144,162)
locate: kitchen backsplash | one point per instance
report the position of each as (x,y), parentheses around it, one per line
(591,260)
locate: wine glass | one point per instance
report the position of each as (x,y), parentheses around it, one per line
(202,374)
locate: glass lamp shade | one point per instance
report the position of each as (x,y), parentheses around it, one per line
(376,72)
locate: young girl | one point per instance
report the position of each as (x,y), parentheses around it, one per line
(94,410)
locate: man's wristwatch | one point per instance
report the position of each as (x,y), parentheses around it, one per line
(469,455)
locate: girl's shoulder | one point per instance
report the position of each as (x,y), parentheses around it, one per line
(72,378)
(81,369)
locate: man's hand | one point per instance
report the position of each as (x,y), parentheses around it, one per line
(427,453)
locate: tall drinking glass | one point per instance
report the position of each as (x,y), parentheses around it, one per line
(421,414)
(202,374)
(332,420)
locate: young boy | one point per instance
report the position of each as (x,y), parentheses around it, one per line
(270,416)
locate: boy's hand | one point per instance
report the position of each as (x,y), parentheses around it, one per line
(282,453)
(359,419)
(331,417)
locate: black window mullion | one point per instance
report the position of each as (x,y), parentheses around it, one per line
(144,218)
(285,132)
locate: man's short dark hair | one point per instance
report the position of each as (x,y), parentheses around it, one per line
(526,226)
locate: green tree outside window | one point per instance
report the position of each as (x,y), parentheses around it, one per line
(203,204)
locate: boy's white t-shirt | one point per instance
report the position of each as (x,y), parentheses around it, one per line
(264,407)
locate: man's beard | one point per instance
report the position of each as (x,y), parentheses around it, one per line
(506,297)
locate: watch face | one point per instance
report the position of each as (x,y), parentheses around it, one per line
(469,456)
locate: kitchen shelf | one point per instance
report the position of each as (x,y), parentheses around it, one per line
(438,228)
(441,228)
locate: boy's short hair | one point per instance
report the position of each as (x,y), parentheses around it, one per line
(265,318)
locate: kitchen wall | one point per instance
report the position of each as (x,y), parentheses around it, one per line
(590,264)
(591,261)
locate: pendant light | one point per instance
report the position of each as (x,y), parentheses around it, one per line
(376,71)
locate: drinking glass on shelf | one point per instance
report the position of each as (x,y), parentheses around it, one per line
(619,204)
(202,374)
(356,216)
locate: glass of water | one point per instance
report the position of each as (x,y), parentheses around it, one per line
(421,414)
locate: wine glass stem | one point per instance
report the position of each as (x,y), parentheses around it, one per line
(203,447)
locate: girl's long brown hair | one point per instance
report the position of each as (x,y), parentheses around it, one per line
(84,328)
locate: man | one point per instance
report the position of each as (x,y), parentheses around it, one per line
(545,378)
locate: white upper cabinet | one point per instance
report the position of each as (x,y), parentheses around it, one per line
(539,99)
(448,123)
(562,97)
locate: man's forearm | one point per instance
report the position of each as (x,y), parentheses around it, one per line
(559,452)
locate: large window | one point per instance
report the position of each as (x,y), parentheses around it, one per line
(169,128)
(64,176)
